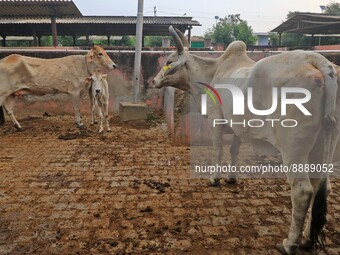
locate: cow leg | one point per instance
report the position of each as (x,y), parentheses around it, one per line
(106,112)
(101,119)
(234,151)
(93,106)
(306,242)
(301,194)
(8,106)
(217,138)
(76,106)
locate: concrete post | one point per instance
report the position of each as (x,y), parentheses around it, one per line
(189,36)
(165,42)
(207,43)
(138,52)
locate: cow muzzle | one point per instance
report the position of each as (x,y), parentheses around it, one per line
(112,66)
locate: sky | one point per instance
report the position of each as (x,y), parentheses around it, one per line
(261,15)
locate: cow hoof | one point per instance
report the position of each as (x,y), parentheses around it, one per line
(109,130)
(283,251)
(18,127)
(213,182)
(306,245)
(82,127)
(93,123)
(101,131)
(230,181)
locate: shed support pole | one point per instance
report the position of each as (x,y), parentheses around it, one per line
(35,42)
(280,39)
(54,31)
(189,35)
(108,40)
(3,41)
(87,40)
(74,40)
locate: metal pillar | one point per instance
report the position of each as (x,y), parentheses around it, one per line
(54,31)
(108,40)
(138,52)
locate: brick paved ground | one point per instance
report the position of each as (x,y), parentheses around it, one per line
(128,192)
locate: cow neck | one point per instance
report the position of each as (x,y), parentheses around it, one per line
(87,67)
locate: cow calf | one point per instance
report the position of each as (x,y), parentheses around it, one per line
(99,96)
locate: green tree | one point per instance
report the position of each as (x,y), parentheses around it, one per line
(153,41)
(333,9)
(229,29)
(126,41)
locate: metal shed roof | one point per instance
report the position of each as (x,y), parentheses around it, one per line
(94,25)
(38,8)
(105,20)
(311,23)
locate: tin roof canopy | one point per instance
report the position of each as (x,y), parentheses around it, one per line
(94,25)
(38,8)
(42,18)
(310,23)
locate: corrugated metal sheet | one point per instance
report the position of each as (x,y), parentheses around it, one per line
(304,22)
(38,8)
(119,20)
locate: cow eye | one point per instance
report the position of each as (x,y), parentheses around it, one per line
(169,62)
(100,54)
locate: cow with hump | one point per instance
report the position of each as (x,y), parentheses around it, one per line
(22,75)
(313,141)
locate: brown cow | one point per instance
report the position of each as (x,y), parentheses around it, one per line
(22,75)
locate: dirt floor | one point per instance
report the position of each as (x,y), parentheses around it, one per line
(63,191)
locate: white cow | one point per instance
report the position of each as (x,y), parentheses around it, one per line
(99,96)
(312,141)
(22,75)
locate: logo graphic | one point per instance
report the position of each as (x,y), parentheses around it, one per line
(280,100)
(208,90)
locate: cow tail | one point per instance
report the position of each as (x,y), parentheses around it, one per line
(330,92)
(319,212)
(2,116)
(319,208)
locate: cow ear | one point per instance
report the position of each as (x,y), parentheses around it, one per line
(105,76)
(88,80)
(90,56)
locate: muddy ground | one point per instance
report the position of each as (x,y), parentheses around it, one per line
(128,192)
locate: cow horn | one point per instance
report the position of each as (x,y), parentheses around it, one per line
(183,38)
(177,39)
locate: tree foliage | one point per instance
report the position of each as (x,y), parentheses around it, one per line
(333,9)
(229,29)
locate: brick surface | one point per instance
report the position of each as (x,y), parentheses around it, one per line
(129,192)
